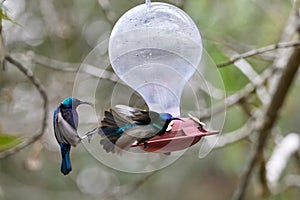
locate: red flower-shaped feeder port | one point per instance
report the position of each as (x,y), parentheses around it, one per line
(183,134)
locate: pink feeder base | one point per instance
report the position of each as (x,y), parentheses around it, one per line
(183,135)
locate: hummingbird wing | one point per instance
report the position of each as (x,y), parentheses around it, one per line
(136,133)
(64,132)
(70,115)
(143,117)
(147,122)
(124,125)
(112,119)
(110,128)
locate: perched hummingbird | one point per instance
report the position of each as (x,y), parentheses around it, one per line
(65,122)
(124,125)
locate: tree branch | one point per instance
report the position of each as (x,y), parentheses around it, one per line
(258,51)
(277,163)
(72,67)
(36,82)
(51,63)
(270,115)
(3,51)
(39,87)
(247,69)
(28,73)
(265,191)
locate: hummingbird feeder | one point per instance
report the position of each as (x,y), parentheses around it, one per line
(183,134)
(155,48)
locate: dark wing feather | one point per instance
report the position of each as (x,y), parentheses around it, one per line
(108,143)
(64,132)
(70,115)
(123,116)
(113,119)
(109,129)
(108,120)
(142,117)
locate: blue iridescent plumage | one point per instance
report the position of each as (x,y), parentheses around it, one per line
(124,125)
(65,123)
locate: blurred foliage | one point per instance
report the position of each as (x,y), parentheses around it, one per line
(4,16)
(8,141)
(67,31)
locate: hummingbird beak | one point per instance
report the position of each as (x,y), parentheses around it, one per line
(88,103)
(176,118)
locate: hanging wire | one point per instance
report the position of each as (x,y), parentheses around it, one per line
(148,2)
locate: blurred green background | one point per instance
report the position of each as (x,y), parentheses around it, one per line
(67,31)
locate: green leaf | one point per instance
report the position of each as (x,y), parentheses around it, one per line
(4,16)
(8,141)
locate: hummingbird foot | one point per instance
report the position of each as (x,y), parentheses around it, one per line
(145,145)
(89,134)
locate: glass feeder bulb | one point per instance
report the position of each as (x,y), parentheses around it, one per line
(155,50)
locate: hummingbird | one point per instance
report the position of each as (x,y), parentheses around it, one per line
(65,123)
(124,125)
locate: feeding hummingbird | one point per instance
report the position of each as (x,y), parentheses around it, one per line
(65,122)
(124,125)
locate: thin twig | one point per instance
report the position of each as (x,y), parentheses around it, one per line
(51,63)
(248,70)
(73,67)
(263,178)
(246,107)
(259,51)
(2,44)
(28,73)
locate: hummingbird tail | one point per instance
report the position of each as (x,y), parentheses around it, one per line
(109,129)
(65,154)
(109,140)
